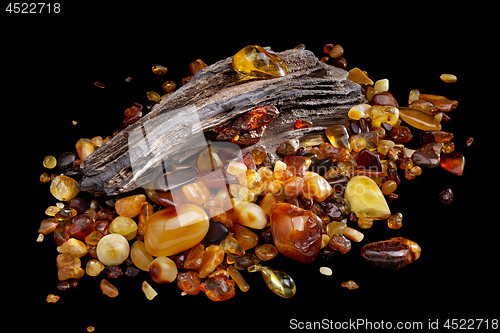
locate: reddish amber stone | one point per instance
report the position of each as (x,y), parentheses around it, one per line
(296,232)
(299,123)
(297,164)
(81,226)
(393,253)
(132,114)
(218,288)
(401,134)
(453,163)
(441,102)
(384,98)
(189,282)
(369,160)
(340,243)
(261,116)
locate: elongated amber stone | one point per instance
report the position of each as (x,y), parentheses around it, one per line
(441,102)
(255,62)
(393,253)
(419,119)
(338,136)
(279,282)
(175,229)
(295,231)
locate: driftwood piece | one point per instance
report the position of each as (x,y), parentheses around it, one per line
(312,91)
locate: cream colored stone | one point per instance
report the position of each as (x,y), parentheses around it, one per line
(366,198)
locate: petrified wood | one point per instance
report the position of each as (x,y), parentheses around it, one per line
(312,91)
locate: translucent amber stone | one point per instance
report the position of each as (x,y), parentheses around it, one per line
(279,282)
(189,282)
(384,114)
(358,76)
(448,78)
(255,62)
(338,136)
(317,188)
(51,298)
(366,198)
(214,255)
(247,238)
(428,155)
(231,245)
(68,267)
(108,288)
(419,119)
(295,232)
(148,290)
(266,252)
(163,270)
(453,163)
(364,140)
(196,193)
(236,276)
(395,221)
(84,148)
(113,249)
(64,188)
(441,102)
(218,288)
(140,256)
(73,247)
(122,225)
(393,253)
(159,69)
(130,206)
(49,162)
(350,284)
(175,229)
(94,267)
(299,123)
(359,111)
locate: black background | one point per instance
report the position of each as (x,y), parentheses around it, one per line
(52,64)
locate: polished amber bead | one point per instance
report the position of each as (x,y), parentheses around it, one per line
(49,162)
(94,267)
(140,255)
(279,282)
(248,214)
(122,225)
(51,298)
(293,186)
(419,119)
(255,62)
(113,249)
(366,198)
(163,270)
(453,163)
(196,193)
(295,232)
(338,136)
(297,164)
(108,288)
(175,229)
(209,160)
(218,288)
(64,188)
(393,253)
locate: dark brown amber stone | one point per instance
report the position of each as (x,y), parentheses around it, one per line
(369,160)
(297,164)
(296,232)
(428,155)
(217,231)
(218,288)
(340,243)
(246,138)
(384,98)
(81,226)
(446,197)
(332,211)
(393,253)
(132,114)
(66,160)
(401,134)
(79,204)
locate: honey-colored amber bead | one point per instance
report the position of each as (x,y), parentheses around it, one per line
(279,282)
(146,211)
(359,111)
(384,114)
(140,256)
(453,163)
(419,119)
(113,249)
(64,188)
(94,267)
(235,168)
(448,78)
(300,123)
(130,206)
(395,221)
(84,148)
(247,238)
(248,214)
(218,288)
(196,66)
(73,247)
(393,253)
(108,288)
(49,162)
(338,136)
(148,290)
(366,198)
(163,270)
(175,229)
(266,203)
(358,76)
(47,226)
(317,188)
(122,225)
(293,187)
(255,62)
(231,245)
(295,232)
(153,96)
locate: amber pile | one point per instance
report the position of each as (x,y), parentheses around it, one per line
(226,216)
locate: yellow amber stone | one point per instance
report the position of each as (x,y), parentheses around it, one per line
(122,225)
(279,282)
(49,162)
(358,76)
(419,119)
(384,114)
(84,148)
(255,62)
(112,249)
(317,188)
(448,78)
(64,188)
(148,290)
(175,229)
(338,136)
(140,256)
(248,214)
(163,270)
(366,198)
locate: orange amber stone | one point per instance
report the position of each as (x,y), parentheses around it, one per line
(441,102)
(299,123)
(175,229)
(453,163)
(108,288)
(296,232)
(189,282)
(218,288)
(130,206)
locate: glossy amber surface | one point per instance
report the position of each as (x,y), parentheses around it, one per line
(175,229)
(393,253)
(366,198)
(255,62)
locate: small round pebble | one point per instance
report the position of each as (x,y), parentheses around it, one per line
(326,271)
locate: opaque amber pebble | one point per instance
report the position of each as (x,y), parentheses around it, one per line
(317,188)
(113,249)
(248,214)
(453,163)
(84,148)
(356,75)
(64,188)
(247,238)
(295,232)
(196,193)
(218,288)
(130,206)
(175,229)
(366,198)
(140,256)
(393,253)
(384,114)
(163,270)
(255,62)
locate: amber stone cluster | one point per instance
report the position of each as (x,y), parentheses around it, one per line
(205,224)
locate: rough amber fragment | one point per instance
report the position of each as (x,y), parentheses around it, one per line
(441,102)
(51,298)
(175,229)
(108,288)
(350,284)
(68,267)
(295,232)
(130,206)
(189,282)
(446,197)
(218,288)
(339,243)
(94,267)
(279,282)
(338,136)
(148,290)
(214,255)
(419,119)
(159,69)
(453,163)
(395,221)
(300,123)
(64,188)
(266,252)
(73,247)
(47,226)
(428,155)
(366,198)
(261,116)
(255,62)
(393,253)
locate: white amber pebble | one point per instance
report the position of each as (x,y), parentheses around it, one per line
(112,249)
(248,214)
(366,198)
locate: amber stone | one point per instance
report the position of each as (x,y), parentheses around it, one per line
(279,282)
(175,229)
(189,282)
(339,243)
(366,198)
(68,267)
(299,123)
(441,102)
(218,288)
(401,134)
(81,226)
(266,252)
(384,98)
(393,253)
(261,116)
(356,75)
(159,69)
(288,147)
(419,119)
(108,288)
(131,115)
(384,114)
(428,155)
(248,214)
(217,231)
(453,163)
(113,249)
(296,232)
(338,136)
(446,197)
(64,188)
(369,160)
(247,238)
(214,255)
(255,62)
(163,270)
(350,284)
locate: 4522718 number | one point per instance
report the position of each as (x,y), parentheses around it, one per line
(33,8)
